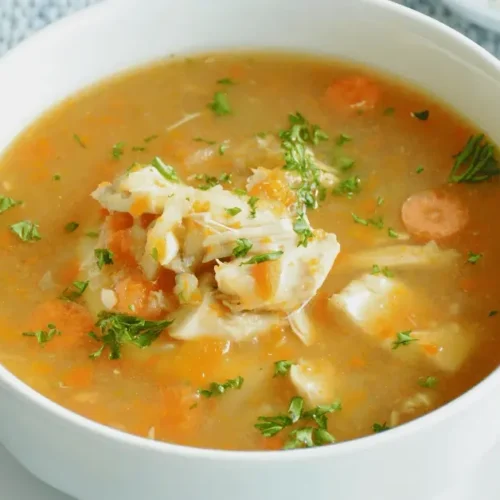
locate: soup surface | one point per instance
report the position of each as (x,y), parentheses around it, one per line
(249,251)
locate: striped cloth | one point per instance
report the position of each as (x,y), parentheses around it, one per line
(20,18)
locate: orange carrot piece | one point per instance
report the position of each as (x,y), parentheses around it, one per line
(352,93)
(119,220)
(120,243)
(134,294)
(431,349)
(146,220)
(430,215)
(80,376)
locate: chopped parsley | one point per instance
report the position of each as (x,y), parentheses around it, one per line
(104,257)
(348,187)
(263,257)
(403,338)
(206,141)
(154,254)
(227,178)
(77,138)
(281,368)
(492,313)
(119,329)
(428,382)
(222,149)
(211,181)
(376,269)
(319,413)
(308,437)
(474,258)
(378,222)
(220,104)
(240,192)
(359,220)
(421,115)
(6,203)
(389,111)
(342,139)
(243,246)
(216,389)
(376,427)
(475,163)
(56,177)
(303,230)
(392,233)
(419,169)
(44,336)
(138,148)
(26,230)
(71,226)
(92,234)
(345,163)
(226,81)
(75,291)
(233,211)
(150,138)
(118,150)
(165,170)
(252,203)
(298,158)
(380,201)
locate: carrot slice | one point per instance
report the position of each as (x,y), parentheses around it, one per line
(430,215)
(134,297)
(355,93)
(120,243)
(119,220)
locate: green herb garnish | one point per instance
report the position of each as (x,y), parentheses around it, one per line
(348,187)
(92,234)
(376,427)
(474,258)
(226,81)
(222,149)
(345,163)
(380,201)
(150,138)
(263,257)
(428,382)
(217,389)
(44,336)
(75,291)
(281,368)
(392,233)
(138,148)
(119,329)
(492,313)
(252,203)
(206,141)
(165,170)
(71,226)
(359,220)
(376,269)
(104,257)
(403,338)
(233,211)
(26,230)
(56,177)
(421,115)
(475,163)
(118,150)
(419,169)
(220,104)
(79,141)
(6,203)
(342,139)
(243,246)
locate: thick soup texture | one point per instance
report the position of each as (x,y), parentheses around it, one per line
(250,251)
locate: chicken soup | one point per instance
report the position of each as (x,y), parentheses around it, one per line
(250,252)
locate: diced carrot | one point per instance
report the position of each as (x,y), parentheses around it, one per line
(139,206)
(71,319)
(165,281)
(431,215)
(431,349)
(120,243)
(117,221)
(147,219)
(262,274)
(352,93)
(103,213)
(80,376)
(134,294)
(69,271)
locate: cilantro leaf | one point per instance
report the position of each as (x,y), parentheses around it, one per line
(403,338)
(26,231)
(217,389)
(220,104)
(264,257)
(281,368)
(6,203)
(421,115)
(71,226)
(243,246)
(118,150)
(428,382)
(376,427)
(233,211)
(74,291)
(44,336)
(165,170)
(76,137)
(474,258)
(104,257)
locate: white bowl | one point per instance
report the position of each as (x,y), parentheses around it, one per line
(413,462)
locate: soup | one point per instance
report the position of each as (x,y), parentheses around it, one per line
(250,251)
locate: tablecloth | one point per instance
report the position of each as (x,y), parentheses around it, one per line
(20,18)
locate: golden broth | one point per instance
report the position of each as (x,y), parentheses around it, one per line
(55,165)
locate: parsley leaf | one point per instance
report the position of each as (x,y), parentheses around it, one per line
(348,187)
(270,426)
(138,148)
(92,234)
(222,149)
(44,336)
(376,427)
(380,201)
(428,382)
(119,329)
(118,150)
(303,229)
(378,222)
(492,313)
(226,81)
(56,177)
(343,138)
(252,203)
(220,104)
(295,409)
(233,211)
(165,170)
(384,270)
(281,368)
(392,233)
(211,181)
(6,203)
(473,258)
(421,115)
(419,169)
(243,246)
(264,257)
(206,141)
(71,226)
(475,163)
(104,257)
(217,389)
(79,141)
(345,163)
(308,437)
(26,231)
(319,414)
(240,192)
(74,291)
(359,220)
(154,254)
(403,338)
(150,138)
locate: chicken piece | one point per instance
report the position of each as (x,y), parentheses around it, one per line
(447,345)
(284,284)
(418,403)
(302,325)
(314,381)
(403,256)
(212,319)
(186,288)
(377,305)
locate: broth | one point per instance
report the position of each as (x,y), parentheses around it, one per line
(385,139)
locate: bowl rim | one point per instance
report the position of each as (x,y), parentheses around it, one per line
(21,390)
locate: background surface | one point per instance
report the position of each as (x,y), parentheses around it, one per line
(19,19)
